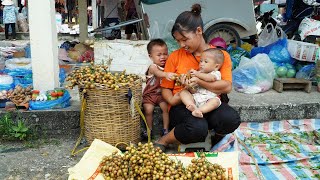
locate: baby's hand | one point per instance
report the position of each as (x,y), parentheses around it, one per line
(194,73)
(193,82)
(171,76)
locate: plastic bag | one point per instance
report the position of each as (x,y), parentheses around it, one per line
(309,27)
(270,35)
(236,54)
(19,63)
(254,75)
(6,82)
(276,51)
(22,23)
(62,76)
(307,72)
(62,102)
(6,79)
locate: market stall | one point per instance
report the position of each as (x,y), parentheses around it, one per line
(17,82)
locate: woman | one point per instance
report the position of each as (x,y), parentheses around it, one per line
(131,13)
(188,32)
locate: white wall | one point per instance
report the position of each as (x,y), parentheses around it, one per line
(125,54)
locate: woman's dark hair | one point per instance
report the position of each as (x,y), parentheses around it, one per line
(188,20)
(155,42)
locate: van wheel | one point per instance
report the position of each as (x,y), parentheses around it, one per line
(226,32)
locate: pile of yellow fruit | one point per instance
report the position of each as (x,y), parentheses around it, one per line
(91,76)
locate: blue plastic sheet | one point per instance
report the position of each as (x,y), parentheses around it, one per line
(6,86)
(22,77)
(18,72)
(59,103)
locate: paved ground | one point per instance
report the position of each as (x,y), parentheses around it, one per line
(42,159)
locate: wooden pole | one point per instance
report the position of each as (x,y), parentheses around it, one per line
(83,20)
(94,14)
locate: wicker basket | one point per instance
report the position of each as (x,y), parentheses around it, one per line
(109,117)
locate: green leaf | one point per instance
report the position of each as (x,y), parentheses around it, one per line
(15,128)
(17,135)
(24,129)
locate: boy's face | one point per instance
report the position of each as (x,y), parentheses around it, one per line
(207,63)
(159,55)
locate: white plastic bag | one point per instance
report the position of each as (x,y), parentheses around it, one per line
(18,63)
(309,27)
(311,2)
(254,75)
(270,34)
(6,79)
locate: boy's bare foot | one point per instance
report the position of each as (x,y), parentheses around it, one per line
(191,107)
(197,113)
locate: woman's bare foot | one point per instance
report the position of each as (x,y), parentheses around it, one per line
(197,113)
(191,107)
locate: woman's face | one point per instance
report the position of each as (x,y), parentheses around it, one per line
(190,41)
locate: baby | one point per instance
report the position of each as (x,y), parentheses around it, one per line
(199,100)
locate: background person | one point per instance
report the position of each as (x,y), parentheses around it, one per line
(10,12)
(111,18)
(131,13)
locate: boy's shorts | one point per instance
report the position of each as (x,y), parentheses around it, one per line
(153,99)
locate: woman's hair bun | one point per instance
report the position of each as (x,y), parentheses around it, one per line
(196,9)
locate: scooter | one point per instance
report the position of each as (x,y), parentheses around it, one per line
(296,11)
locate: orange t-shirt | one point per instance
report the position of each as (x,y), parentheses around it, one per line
(180,62)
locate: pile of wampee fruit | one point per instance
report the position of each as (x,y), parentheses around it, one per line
(93,76)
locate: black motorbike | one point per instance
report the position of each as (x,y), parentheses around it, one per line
(296,11)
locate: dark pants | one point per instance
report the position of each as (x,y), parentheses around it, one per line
(70,16)
(13,30)
(190,129)
(114,33)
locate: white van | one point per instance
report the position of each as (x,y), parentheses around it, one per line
(229,19)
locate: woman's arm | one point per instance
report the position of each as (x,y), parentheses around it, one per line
(218,87)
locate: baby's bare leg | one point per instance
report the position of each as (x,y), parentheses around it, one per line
(187,99)
(148,112)
(165,115)
(210,105)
